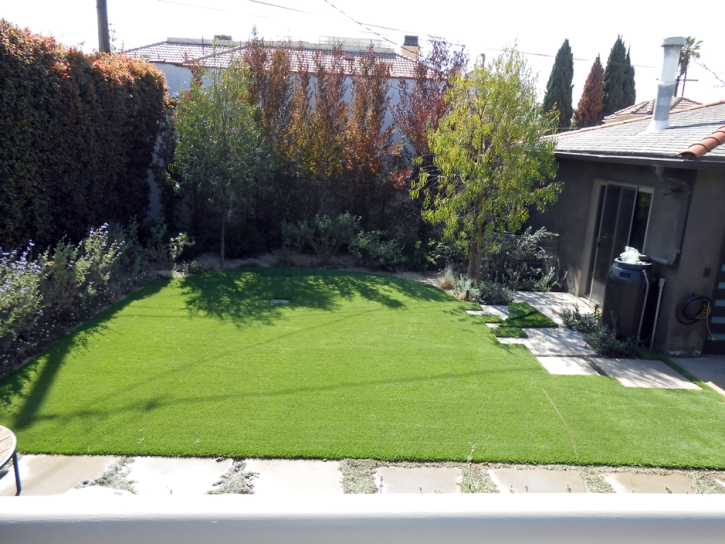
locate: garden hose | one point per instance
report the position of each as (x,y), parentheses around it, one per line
(689,316)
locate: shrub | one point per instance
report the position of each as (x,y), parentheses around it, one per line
(20,299)
(369,249)
(446,279)
(605,342)
(419,254)
(325,235)
(520,262)
(42,298)
(494,293)
(74,277)
(165,250)
(576,321)
(78,137)
(466,289)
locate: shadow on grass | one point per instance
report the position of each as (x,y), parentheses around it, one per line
(245,296)
(163,401)
(42,375)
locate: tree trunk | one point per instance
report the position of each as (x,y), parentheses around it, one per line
(471,257)
(221,251)
(478,254)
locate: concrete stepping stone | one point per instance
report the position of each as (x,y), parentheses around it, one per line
(54,474)
(501,311)
(537,480)
(639,373)
(553,342)
(710,369)
(568,366)
(550,304)
(419,480)
(177,476)
(279,476)
(630,482)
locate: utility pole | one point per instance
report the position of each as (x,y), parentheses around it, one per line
(104,41)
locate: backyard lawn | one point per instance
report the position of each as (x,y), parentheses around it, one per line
(355,365)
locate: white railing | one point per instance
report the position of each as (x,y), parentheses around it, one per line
(376,519)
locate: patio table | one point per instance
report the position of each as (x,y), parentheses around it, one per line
(8,451)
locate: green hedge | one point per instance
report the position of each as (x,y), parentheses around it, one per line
(78,134)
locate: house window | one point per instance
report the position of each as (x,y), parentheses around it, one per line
(622,219)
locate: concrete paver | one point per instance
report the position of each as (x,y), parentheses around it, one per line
(279,476)
(550,304)
(537,480)
(98,492)
(54,474)
(501,311)
(630,482)
(553,342)
(175,476)
(639,373)
(419,480)
(568,366)
(710,369)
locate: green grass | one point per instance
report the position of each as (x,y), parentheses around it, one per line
(356,365)
(509,332)
(523,314)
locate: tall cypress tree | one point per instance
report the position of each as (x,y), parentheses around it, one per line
(589,112)
(615,76)
(558,89)
(630,94)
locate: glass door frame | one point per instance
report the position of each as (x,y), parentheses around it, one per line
(585,283)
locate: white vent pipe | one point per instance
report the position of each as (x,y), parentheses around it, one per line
(667,84)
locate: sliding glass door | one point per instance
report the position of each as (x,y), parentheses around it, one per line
(622,219)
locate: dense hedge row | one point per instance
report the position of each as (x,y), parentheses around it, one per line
(77,133)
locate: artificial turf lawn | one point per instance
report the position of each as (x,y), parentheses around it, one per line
(355,365)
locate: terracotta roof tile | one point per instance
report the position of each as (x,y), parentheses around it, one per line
(707,144)
(304,60)
(172,52)
(679,103)
(206,55)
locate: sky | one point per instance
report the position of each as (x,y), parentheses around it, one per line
(537,28)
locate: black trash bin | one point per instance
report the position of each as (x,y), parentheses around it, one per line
(625,297)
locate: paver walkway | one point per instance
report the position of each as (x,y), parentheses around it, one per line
(418,480)
(568,366)
(628,482)
(641,373)
(710,369)
(565,352)
(538,480)
(168,477)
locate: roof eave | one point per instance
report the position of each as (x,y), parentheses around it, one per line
(670,162)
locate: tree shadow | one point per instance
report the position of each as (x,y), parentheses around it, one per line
(241,296)
(41,372)
(245,296)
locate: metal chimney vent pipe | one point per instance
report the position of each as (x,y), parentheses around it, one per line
(667,84)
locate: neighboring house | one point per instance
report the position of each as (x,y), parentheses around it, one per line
(175,56)
(661,191)
(643,109)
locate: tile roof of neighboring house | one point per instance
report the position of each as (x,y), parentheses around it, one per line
(648,107)
(697,126)
(304,60)
(172,52)
(180,53)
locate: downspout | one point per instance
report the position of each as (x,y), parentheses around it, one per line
(681,220)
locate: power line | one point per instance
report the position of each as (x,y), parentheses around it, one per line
(280,7)
(368,28)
